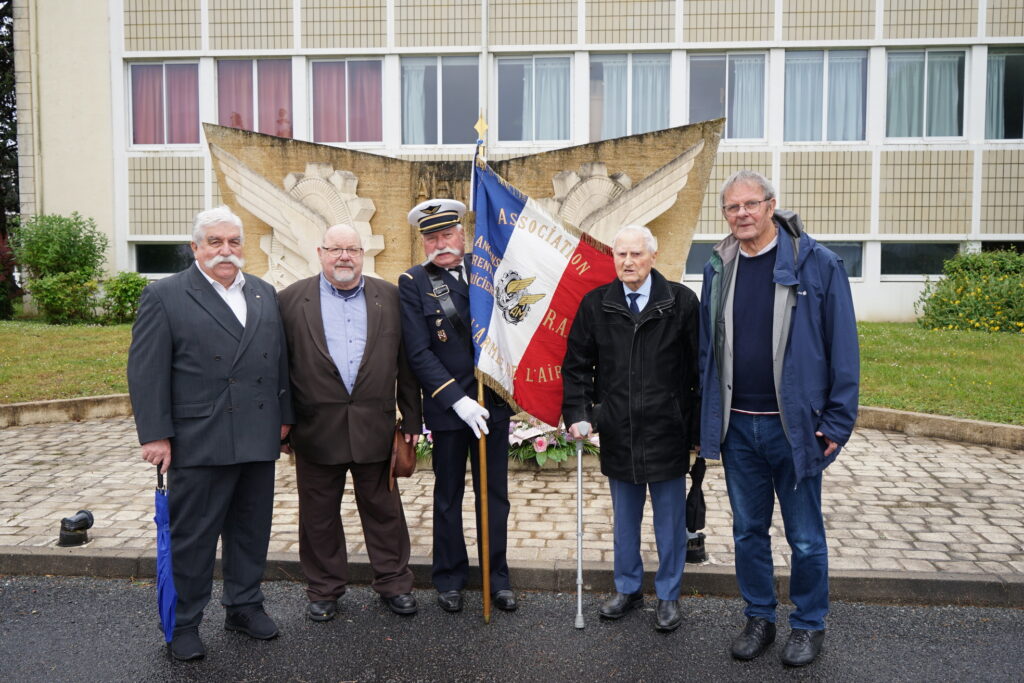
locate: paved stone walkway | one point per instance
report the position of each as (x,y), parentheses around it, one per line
(892,502)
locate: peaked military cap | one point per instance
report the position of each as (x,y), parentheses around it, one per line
(436,214)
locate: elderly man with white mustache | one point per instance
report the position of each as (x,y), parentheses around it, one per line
(435,327)
(208,378)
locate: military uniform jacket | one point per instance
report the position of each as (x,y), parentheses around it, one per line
(441,357)
(217,390)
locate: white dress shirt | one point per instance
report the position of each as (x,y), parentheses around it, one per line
(233,295)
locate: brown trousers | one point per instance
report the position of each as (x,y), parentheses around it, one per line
(322,549)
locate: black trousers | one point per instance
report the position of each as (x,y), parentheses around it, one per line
(451,449)
(234,503)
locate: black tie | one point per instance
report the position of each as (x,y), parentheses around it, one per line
(633,308)
(457,273)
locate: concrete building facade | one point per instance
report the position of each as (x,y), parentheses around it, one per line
(894,127)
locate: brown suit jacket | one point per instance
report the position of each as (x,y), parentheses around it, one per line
(331,425)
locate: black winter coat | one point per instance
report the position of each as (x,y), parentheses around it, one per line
(634,378)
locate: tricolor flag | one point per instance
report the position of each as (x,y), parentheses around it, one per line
(529,273)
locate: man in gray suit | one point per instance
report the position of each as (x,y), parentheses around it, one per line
(208,377)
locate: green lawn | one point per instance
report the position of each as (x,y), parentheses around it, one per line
(964,374)
(40,361)
(976,375)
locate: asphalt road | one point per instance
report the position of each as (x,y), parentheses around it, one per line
(82,629)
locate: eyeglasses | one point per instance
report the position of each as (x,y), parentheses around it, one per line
(335,252)
(750,206)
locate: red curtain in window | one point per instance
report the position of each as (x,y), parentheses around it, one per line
(234,93)
(274,88)
(148,104)
(364,114)
(329,102)
(182,103)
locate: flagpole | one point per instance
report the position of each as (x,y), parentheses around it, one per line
(484,530)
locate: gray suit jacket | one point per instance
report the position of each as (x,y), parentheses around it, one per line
(333,426)
(217,391)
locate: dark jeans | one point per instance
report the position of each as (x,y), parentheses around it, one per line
(758,465)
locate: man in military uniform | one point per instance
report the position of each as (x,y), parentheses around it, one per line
(435,326)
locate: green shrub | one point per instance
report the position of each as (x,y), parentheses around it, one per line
(121,296)
(48,244)
(980,292)
(66,298)
(8,287)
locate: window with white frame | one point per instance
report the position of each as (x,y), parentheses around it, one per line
(165,103)
(1004,95)
(730,85)
(825,86)
(255,94)
(346,98)
(533,98)
(925,94)
(439,100)
(629,94)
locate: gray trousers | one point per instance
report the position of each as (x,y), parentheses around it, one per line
(234,503)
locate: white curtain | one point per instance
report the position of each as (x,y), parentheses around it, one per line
(804,74)
(905,94)
(650,92)
(995,104)
(612,96)
(414,113)
(846,94)
(746,96)
(944,93)
(552,98)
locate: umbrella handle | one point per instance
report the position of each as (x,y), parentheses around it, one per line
(159,478)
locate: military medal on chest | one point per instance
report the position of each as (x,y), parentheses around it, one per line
(442,335)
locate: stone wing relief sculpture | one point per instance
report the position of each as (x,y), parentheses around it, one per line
(600,204)
(300,213)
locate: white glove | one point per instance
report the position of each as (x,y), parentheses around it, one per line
(473,414)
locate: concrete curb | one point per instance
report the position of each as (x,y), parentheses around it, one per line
(940,427)
(64,410)
(924,588)
(884,419)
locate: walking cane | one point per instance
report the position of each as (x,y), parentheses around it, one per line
(583,429)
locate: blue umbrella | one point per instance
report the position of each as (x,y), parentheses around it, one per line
(166,595)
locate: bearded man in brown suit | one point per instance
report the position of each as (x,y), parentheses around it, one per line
(348,368)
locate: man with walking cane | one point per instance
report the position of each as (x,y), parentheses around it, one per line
(630,372)
(435,326)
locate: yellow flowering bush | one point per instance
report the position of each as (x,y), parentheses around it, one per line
(983,292)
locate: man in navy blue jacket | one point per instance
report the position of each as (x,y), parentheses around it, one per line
(435,327)
(780,371)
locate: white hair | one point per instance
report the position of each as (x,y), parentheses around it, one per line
(650,241)
(215,216)
(747,177)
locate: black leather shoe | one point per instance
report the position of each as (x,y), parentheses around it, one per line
(450,601)
(404,604)
(667,616)
(186,645)
(695,552)
(505,600)
(252,621)
(322,610)
(621,603)
(802,647)
(757,635)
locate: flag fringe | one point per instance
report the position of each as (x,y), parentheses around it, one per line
(494,386)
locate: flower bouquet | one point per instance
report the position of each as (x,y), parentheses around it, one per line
(531,439)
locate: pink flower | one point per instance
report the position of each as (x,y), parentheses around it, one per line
(540,444)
